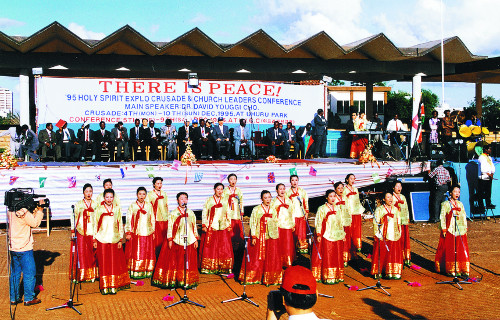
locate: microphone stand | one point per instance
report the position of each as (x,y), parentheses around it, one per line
(73,282)
(455,279)
(378,285)
(243,296)
(185,298)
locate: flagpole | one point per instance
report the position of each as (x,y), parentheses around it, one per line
(442,56)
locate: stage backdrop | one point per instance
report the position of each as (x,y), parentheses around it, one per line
(77,100)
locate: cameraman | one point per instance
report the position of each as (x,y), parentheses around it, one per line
(21,251)
(296,296)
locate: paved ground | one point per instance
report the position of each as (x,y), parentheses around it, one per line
(430,301)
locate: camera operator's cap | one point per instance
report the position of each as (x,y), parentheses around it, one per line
(298,279)
(220,119)
(195,121)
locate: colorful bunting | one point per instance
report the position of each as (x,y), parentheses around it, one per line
(176,164)
(72,182)
(13,180)
(293,171)
(271,178)
(41,181)
(312,172)
(150,171)
(247,178)
(375,177)
(389,172)
(97,177)
(198,176)
(222,177)
(122,172)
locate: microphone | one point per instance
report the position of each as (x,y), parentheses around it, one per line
(72,206)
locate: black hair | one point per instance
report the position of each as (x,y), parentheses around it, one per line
(262,193)
(242,120)
(292,176)
(108,191)
(327,193)
(218,184)
(101,123)
(395,183)
(141,189)
(168,121)
(137,119)
(299,301)
(87,185)
(346,180)
(336,184)
(180,194)
(107,180)
(486,147)
(454,186)
(278,186)
(232,175)
(319,111)
(24,127)
(48,124)
(156,179)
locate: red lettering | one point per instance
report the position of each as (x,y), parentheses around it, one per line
(251,89)
(241,90)
(169,87)
(228,88)
(268,90)
(124,86)
(105,83)
(154,86)
(213,86)
(196,89)
(138,87)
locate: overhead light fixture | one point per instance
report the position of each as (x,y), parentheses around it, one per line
(122,69)
(421,74)
(184,70)
(352,71)
(193,80)
(37,71)
(299,71)
(58,67)
(243,71)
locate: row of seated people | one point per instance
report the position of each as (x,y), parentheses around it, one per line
(208,141)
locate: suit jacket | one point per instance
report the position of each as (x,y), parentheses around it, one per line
(280,136)
(114,134)
(220,135)
(144,134)
(172,134)
(319,125)
(247,135)
(293,134)
(99,138)
(300,132)
(81,135)
(43,137)
(150,136)
(30,140)
(182,134)
(132,134)
(60,136)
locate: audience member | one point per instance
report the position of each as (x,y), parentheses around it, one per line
(169,136)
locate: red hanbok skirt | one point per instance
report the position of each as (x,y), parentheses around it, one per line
(287,247)
(85,268)
(349,248)
(300,235)
(391,262)
(141,257)
(236,231)
(267,271)
(169,272)
(445,255)
(161,228)
(358,145)
(405,243)
(113,274)
(217,255)
(330,268)
(356,232)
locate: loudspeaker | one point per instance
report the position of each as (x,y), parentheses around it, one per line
(436,151)
(391,153)
(458,152)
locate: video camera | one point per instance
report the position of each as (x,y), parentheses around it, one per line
(19,198)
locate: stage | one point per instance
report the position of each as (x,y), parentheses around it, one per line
(62,182)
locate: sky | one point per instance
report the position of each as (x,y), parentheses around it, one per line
(406,23)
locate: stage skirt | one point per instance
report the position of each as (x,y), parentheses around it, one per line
(300,235)
(141,258)
(445,255)
(217,256)
(85,269)
(236,231)
(287,247)
(161,228)
(405,244)
(391,263)
(330,268)
(356,232)
(113,274)
(169,272)
(267,271)
(349,248)
(357,146)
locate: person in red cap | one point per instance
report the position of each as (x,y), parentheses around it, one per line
(296,297)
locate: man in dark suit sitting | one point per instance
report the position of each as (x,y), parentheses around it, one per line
(301,135)
(85,138)
(185,133)
(154,140)
(221,136)
(47,139)
(67,143)
(291,140)
(144,136)
(276,138)
(102,140)
(202,138)
(119,137)
(135,141)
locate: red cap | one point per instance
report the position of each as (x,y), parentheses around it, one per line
(298,279)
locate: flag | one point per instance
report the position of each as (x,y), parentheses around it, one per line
(198,176)
(270,177)
(312,172)
(222,177)
(176,164)
(415,117)
(97,177)
(122,172)
(150,172)
(422,120)
(308,141)
(389,172)
(293,171)
(41,181)
(247,178)
(72,182)
(13,180)
(375,177)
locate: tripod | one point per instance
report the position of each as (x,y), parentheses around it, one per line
(455,279)
(73,284)
(185,298)
(246,256)
(378,285)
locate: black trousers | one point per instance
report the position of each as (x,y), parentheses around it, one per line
(484,192)
(438,195)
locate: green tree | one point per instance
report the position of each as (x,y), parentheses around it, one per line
(430,101)
(12,118)
(491,112)
(401,102)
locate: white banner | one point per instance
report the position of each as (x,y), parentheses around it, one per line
(77,100)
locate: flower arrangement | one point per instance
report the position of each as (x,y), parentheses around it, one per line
(272,159)
(188,158)
(7,160)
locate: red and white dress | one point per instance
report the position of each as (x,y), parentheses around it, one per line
(286,222)
(355,209)
(399,201)
(300,209)
(159,201)
(234,199)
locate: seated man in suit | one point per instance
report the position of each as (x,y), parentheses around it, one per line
(301,135)
(185,134)
(144,137)
(67,143)
(276,138)
(85,138)
(291,140)
(47,139)
(243,138)
(203,140)
(154,141)
(221,136)
(102,140)
(169,136)
(135,141)
(119,137)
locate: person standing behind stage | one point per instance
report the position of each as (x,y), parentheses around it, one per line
(216,252)
(387,218)
(320,134)
(159,201)
(265,262)
(441,178)
(399,201)
(83,229)
(434,124)
(359,142)
(453,241)
(300,203)
(140,228)
(393,126)
(107,184)
(446,128)
(29,143)
(486,172)
(355,210)
(328,265)
(302,133)
(234,197)
(169,272)
(108,234)
(286,225)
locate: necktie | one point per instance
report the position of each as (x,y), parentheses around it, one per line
(152,133)
(119,134)
(397,125)
(275,134)
(137,133)
(66,134)
(102,131)
(86,135)
(203,132)
(290,135)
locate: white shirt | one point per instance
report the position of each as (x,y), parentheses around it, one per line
(66,135)
(485,166)
(307,316)
(395,125)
